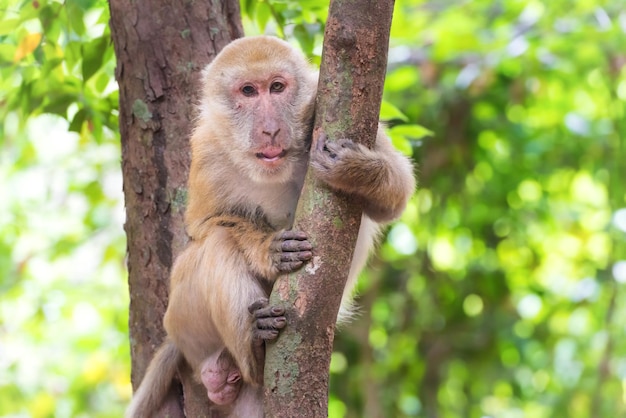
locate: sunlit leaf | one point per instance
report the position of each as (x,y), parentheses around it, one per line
(7,52)
(26,46)
(8,26)
(412,131)
(389,112)
(262,14)
(75,14)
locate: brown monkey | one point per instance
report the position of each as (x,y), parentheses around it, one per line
(250,151)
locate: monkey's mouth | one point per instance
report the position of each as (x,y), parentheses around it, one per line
(271,155)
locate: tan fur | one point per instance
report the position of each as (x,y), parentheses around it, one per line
(157,381)
(241,198)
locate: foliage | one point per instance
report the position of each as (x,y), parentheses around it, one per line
(509,262)
(500,291)
(63,317)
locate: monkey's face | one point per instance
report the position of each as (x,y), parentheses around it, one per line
(263,90)
(265,107)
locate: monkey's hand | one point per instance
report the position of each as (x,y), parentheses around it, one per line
(289,250)
(345,165)
(221,377)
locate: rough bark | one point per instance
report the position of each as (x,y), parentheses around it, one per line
(160,46)
(352,73)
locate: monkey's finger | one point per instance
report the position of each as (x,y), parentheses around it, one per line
(291,234)
(294,245)
(258,304)
(288,267)
(349,144)
(332,149)
(269,312)
(264,334)
(271,323)
(285,243)
(299,256)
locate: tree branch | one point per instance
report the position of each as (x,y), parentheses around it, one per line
(350,88)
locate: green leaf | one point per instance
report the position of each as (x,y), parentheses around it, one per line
(75,16)
(77,122)
(305,39)
(8,26)
(263,13)
(59,104)
(401,79)
(412,131)
(7,52)
(86,4)
(390,112)
(101,82)
(73,54)
(247,7)
(93,56)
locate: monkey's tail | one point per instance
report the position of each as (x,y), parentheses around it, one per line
(156,383)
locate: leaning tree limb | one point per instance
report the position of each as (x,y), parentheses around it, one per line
(350,89)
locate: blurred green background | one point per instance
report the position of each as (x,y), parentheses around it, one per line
(501,291)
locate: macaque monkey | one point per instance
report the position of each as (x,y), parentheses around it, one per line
(250,152)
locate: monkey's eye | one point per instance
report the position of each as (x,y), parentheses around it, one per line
(248,90)
(277,87)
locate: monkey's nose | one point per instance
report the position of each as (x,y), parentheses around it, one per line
(271,132)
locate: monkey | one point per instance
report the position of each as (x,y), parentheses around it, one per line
(250,149)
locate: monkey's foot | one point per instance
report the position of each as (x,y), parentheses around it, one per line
(269,320)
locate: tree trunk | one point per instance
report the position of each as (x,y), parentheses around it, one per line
(350,88)
(161,46)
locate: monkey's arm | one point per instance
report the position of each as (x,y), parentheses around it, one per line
(381,177)
(267,252)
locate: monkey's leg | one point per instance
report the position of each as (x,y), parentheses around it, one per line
(219,373)
(211,290)
(213,280)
